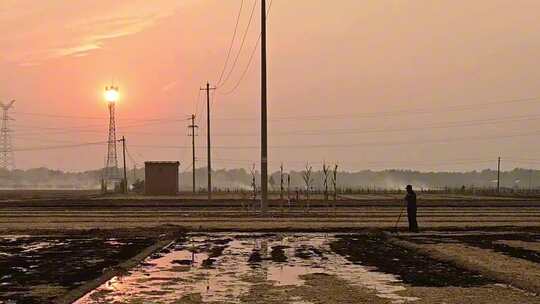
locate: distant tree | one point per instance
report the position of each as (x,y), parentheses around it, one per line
(272,183)
(326,173)
(306,176)
(138,186)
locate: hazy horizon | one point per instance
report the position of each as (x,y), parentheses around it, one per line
(432,86)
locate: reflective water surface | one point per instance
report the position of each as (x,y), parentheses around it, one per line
(224,267)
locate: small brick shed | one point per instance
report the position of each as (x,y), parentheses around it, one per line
(161,178)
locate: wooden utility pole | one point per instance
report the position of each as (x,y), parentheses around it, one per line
(193,126)
(264,139)
(499,175)
(208,141)
(281,182)
(125,168)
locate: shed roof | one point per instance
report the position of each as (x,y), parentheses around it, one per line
(162,163)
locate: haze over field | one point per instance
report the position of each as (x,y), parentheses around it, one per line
(430,85)
(241,179)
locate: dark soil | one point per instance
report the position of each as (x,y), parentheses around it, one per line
(278,254)
(183,262)
(208,263)
(37,269)
(490,242)
(411,267)
(216,251)
(255,257)
(222,241)
(307,252)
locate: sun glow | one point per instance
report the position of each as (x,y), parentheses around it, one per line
(111,94)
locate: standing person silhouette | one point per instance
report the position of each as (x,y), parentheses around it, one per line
(410,198)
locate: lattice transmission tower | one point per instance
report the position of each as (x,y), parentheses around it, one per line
(7,158)
(112,173)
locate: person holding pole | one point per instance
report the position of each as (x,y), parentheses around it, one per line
(410,199)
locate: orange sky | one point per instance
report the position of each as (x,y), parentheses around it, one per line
(336,70)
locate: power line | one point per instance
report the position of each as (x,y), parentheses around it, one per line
(155,119)
(197,103)
(456,124)
(193,127)
(378,162)
(231,44)
(61,130)
(358,145)
(244,73)
(378,114)
(313,132)
(241,44)
(417,111)
(41,148)
(246,69)
(130,156)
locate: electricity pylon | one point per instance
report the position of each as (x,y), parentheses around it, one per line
(112,173)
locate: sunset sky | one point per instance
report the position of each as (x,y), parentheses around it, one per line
(429,85)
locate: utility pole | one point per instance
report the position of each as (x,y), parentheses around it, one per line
(281,182)
(499,175)
(209,154)
(264,124)
(125,167)
(7,160)
(193,126)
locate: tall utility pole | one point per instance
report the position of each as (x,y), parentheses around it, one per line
(499,175)
(7,159)
(208,141)
(125,184)
(281,182)
(111,169)
(264,124)
(193,126)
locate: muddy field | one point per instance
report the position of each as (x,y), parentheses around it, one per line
(138,250)
(300,268)
(40,268)
(297,268)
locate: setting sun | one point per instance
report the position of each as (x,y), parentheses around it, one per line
(112,94)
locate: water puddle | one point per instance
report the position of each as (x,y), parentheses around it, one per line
(225,267)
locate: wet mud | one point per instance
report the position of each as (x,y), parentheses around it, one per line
(495,242)
(278,267)
(411,267)
(38,269)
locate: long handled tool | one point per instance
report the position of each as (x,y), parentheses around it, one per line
(399,218)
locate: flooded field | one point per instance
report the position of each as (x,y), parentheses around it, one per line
(174,267)
(38,269)
(296,268)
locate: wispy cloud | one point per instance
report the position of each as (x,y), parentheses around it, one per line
(35,32)
(170,86)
